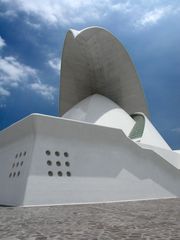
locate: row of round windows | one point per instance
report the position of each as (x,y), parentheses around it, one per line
(56,153)
(58,163)
(59,173)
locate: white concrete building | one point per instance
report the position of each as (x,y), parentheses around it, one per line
(102,148)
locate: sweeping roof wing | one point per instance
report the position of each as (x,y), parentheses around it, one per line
(94,61)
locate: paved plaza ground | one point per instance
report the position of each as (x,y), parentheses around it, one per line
(155,219)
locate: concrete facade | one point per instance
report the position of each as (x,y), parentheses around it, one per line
(46,160)
(103,149)
(95,62)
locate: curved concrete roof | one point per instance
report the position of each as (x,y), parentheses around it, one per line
(94,61)
(100,110)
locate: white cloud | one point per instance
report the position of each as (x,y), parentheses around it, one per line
(2,42)
(68,12)
(152,17)
(63,12)
(176,130)
(4,92)
(45,90)
(10,14)
(33,25)
(15,74)
(124,7)
(55,63)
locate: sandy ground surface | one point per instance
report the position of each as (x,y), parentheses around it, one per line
(155,219)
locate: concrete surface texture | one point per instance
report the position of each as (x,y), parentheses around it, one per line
(100,110)
(47,160)
(148,220)
(94,61)
(51,160)
(89,158)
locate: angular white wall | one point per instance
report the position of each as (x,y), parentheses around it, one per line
(103,165)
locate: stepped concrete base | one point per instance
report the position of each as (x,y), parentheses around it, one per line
(47,160)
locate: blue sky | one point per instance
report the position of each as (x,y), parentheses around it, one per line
(31,42)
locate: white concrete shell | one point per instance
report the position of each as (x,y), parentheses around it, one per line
(97,152)
(103,164)
(100,110)
(95,62)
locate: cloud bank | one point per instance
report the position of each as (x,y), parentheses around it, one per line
(67,12)
(15,74)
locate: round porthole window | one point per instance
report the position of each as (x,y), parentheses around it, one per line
(66,154)
(50,173)
(67,164)
(49,163)
(68,174)
(57,154)
(60,174)
(48,153)
(58,163)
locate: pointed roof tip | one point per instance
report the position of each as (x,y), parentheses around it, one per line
(76,32)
